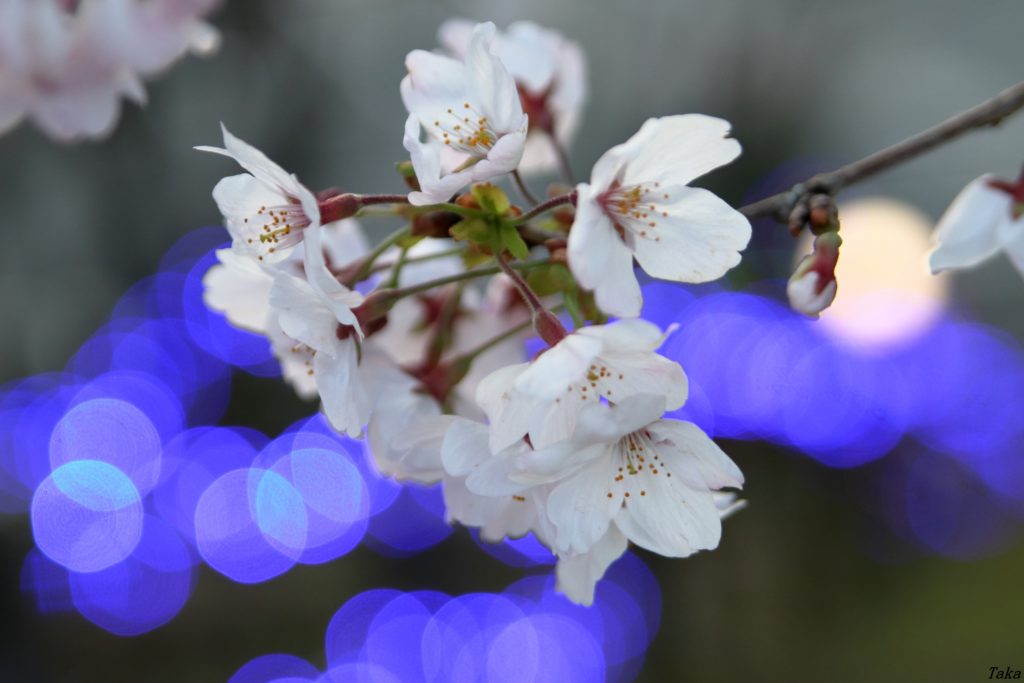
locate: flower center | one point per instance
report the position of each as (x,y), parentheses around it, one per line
(636,456)
(466,130)
(597,384)
(635,209)
(275,227)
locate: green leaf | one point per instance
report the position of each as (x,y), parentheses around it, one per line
(513,241)
(550,279)
(491,198)
(572,304)
(474,230)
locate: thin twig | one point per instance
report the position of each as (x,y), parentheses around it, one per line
(454,251)
(991,112)
(564,165)
(525,291)
(523,189)
(547,205)
(460,277)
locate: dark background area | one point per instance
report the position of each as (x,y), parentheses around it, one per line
(809,583)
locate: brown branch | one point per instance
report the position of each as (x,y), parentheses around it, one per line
(991,112)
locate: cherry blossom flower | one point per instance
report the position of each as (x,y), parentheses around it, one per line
(543,399)
(638,205)
(625,476)
(654,479)
(475,126)
(267,209)
(985,218)
(67,65)
(550,74)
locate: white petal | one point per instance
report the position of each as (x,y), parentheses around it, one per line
(1015,247)
(302,314)
(578,574)
(434,82)
(968,233)
(345,401)
(684,445)
(804,297)
(491,83)
(464,447)
(504,155)
(604,423)
(296,361)
(601,261)
(338,298)
(626,335)
(564,364)
(240,289)
(508,411)
(667,517)
(455,34)
(698,241)
(678,149)
(256,162)
(580,508)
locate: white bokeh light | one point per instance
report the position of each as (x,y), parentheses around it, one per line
(887,296)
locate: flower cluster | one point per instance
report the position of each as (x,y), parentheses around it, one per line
(66,64)
(402,342)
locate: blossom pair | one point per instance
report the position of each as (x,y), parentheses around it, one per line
(467,124)
(576,451)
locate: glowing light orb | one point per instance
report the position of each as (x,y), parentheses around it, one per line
(275,668)
(335,498)
(887,296)
(112,431)
(87,516)
(145,591)
(229,537)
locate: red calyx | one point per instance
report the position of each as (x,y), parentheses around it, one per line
(826,256)
(338,206)
(536,107)
(1015,190)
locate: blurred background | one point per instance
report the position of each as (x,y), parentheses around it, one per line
(889,559)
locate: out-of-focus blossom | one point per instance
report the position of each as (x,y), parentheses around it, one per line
(406,428)
(543,399)
(305,316)
(550,74)
(475,125)
(66,65)
(985,218)
(240,287)
(812,287)
(479,494)
(638,204)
